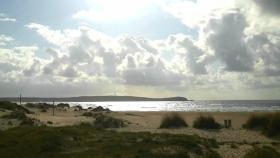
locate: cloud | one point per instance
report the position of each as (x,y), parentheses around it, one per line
(233,50)
(52,36)
(5,18)
(225,36)
(4,40)
(110,10)
(194,13)
(269,6)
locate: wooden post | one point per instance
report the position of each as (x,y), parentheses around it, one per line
(229,123)
(226,123)
(53,108)
(20,99)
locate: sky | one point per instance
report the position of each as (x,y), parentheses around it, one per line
(199,49)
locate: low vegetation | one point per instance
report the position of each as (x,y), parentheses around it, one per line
(6,105)
(25,121)
(206,122)
(78,108)
(85,141)
(100,109)
(264,152)
(63,105)
(103,121)
(173,121)
(88,114)
(269,124)
(39,105)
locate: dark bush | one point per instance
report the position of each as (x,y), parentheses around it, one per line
(265,152)
(100,109)
(44,110)
(273,127)
(63,105)
(49,122)
(39,105)
(206,122)
(173,121)
(87,114)
(78,108)
(103,121)
(27,122)
(256,122)
(269,124)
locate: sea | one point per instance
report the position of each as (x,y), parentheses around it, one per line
(196,106)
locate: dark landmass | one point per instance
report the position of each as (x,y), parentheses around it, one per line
(92,99)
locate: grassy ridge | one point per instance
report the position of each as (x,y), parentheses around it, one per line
(82,141)
(269,124)
(206,122)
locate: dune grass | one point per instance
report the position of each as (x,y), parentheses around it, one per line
(269,124)
(6,105)
(173,120)
(206,122)
(264,152)
(103,121)
(25,121)
(85,141)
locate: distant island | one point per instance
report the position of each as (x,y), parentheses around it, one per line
(91,99)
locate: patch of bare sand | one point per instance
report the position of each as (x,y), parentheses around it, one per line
(61,117)
(150,121)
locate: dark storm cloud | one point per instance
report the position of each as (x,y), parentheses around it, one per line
(225,35)
(269,6)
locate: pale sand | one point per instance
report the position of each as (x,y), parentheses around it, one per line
(60,117)
(150,121)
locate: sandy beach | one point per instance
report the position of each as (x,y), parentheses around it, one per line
(150,122)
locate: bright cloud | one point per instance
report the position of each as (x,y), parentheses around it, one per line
(5,18)
(114,10)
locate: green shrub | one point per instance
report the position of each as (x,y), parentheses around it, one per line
(27,122)
(44,110)
(13,107)
(78,108)
(204,122)
(81,141)
(39,105)
(269,124)
(257,122)
(173,121)
(265,152)
(63,105)
(87,114)
(15,115)
(103,121)
(85,124)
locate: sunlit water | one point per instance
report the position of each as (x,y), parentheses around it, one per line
(235,106)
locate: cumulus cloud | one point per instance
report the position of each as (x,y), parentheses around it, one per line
(4,40)
(5,18)
(127,59)
(225,35)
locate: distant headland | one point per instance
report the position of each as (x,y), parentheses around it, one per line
(92,99)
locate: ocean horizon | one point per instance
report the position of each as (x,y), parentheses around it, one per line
(192,106)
